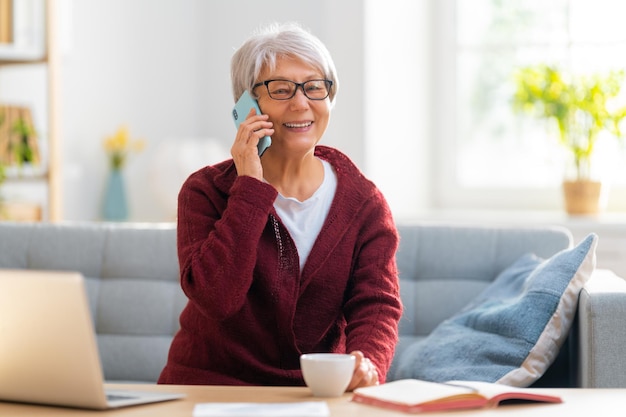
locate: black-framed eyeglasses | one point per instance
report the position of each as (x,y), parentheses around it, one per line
(286,89)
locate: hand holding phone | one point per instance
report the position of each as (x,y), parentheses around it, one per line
(241,110)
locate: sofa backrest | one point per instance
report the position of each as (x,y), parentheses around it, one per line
(132,283)
(442,267)
(133,287)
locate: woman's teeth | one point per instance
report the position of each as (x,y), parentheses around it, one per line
(298,125)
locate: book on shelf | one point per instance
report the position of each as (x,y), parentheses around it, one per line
(416,396)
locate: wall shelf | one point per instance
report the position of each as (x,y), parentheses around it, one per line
(34,45)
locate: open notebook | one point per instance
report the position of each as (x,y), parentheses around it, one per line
(48,350)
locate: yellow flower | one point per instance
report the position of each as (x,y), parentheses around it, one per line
(119,145)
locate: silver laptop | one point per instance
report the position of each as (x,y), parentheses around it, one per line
(48,351)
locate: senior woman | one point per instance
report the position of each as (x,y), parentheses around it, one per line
(288,253)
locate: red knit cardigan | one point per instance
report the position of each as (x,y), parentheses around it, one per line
(251,311)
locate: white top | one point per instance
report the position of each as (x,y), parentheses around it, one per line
(304,219)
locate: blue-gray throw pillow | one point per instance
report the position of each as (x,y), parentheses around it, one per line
(512,332)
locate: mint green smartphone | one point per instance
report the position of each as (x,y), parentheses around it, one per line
(241,110)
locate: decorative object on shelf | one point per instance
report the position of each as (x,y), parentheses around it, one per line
(16,210)
(22,30)
(19,144)
(6,22)
(20,211)
(3,174)
(118,147)
(582,107)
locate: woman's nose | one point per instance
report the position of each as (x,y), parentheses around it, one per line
(299,100)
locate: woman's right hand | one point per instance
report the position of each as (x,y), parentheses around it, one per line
(365,373)
(244,150)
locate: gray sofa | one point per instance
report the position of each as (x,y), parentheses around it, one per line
(132,283)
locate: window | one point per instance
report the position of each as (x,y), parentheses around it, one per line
(490,157)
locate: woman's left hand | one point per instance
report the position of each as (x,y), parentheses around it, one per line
(365,373)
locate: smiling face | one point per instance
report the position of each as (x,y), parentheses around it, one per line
(299,122)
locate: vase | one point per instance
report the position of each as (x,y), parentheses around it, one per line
(115,206)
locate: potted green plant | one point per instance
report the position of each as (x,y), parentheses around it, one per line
(3,176)
(581,107)
(23,149)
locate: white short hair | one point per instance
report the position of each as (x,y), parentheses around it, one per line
(262,49)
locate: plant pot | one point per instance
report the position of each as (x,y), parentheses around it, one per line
(582,197)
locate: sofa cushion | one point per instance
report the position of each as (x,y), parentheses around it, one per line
(513,330)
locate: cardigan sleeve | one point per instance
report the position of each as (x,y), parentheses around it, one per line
(373,307)
(217,239)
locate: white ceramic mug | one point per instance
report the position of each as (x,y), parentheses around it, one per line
(327,374)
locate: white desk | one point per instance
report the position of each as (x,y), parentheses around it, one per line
(577,402)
